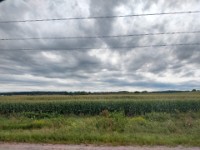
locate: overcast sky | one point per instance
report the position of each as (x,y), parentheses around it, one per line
(156,68)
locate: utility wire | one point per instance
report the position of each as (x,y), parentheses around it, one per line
(88,48)
(94,37)
(100,17)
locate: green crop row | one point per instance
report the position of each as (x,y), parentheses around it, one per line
(96,107)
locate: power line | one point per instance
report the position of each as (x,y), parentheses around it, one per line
(88,48)
(92,37)
(99,17)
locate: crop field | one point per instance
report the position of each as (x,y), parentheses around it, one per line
(130,104)
(116,119)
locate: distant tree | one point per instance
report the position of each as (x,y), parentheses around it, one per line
(194,90)
(123,92)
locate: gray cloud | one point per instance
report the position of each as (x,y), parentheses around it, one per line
(159,68)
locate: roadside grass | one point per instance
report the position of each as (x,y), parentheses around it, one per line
(106,128)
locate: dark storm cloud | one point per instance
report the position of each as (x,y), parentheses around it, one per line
(188,53)
(127,69)
(100,8)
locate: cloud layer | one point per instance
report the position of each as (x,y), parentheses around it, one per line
(154,68)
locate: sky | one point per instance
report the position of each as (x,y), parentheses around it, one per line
(58,65)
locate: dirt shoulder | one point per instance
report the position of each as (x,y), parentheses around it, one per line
(25,146)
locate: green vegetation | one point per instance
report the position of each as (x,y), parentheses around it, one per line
(130,104)
(94,108)
(106,128)
(121,119)
(107,97)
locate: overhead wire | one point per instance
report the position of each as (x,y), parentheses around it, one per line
(94,37)
(99,17)
(103,36)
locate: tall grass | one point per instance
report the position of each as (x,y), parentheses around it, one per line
(107,128)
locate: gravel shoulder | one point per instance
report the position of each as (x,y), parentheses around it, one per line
(26,146)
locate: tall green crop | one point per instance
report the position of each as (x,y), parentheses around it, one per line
(96,107)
